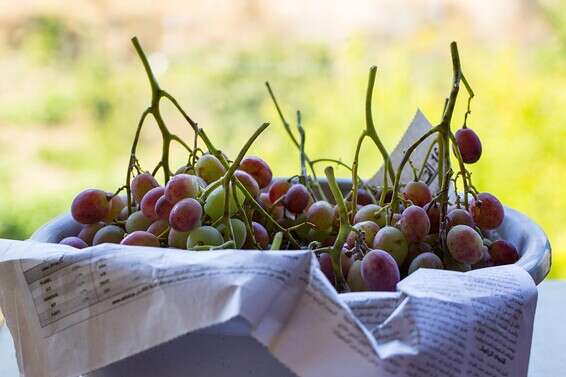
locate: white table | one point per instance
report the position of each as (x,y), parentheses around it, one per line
(548,355)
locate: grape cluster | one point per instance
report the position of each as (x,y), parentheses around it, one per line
(365,238)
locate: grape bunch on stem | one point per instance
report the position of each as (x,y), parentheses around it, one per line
(366,237)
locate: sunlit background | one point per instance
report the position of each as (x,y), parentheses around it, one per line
(72,89)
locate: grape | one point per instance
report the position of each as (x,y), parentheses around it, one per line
(318,235)
(185,215)
(426,260)
(433,213)
(204,235)
(214,204)
(117,203)
(177,240)
(209,168)
(182,186)
(124,212)
(355,280)
(503,252)
(487,211)
(393,241)
(485,261)
(260,234)
(75,242)
(380,271)
(88,231)
(321,214)
(364,198)
(148,202)
(465,244)
(325,261)
(141,184)
(140,238)
(90,206)
(277,212)
(414,223)
(368,212)
(369,228)
(278,188)
(469,145)
(163,208)
(239,229)
(248,181)
(417,192)
(258,169)
(296,198)
(137,221)
(345,263)
(108,234)
(185,170)
(158,227)
(459,216)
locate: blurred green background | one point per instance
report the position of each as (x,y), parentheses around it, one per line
(72,89)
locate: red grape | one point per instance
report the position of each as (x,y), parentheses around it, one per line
(414,223)
(321,214)
(149,200)
(258,169)
(393,241)
(364,198)
(88,231)
(418,193)
(278,188)
(158,227)
(368,212)
(185,215)
(355,280)
(140,238)
(487,211)
(209,168)
(503,252)
(141,184)
(90,206)
(123,215)
(277,212)
(182,186)
(75,242)
(163,208)
(261,236)
(297,198)
(464,244)
(325,261)
(459,216)
(108,234)
(426,260)
(248,181)
(380,271)
(469,145)
(433,213)
(345,263)
(369,228)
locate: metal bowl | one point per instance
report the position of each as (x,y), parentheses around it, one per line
(526,235)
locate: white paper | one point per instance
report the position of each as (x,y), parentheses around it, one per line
(74,311)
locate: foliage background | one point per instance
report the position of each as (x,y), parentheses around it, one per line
(71,89)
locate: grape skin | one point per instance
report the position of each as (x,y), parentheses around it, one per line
(297,198)
(418,193)
(261,236)
(140,238)
(214,204)
(117,203)
(325,261)
(469,145)
(209,168)
(459,216)
(182,186)
(185,215)
(278,188)
(239,229)
(73,241)
(204,235)
(149,200)
(137,221)
(177,239)
(364,197)
(90,206)
(163,208)
(369,228)
(158,227)
(108,234)
(141,184)
(321,214)
(433,213)
(503,252)
(380,271)
(426,260)
(355,280)
(487,211)
(368,212)
(248,181)
(414,223)
(393,241)
(464,244)
(88,231)
(258,169)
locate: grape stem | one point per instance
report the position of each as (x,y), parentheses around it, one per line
(344,230)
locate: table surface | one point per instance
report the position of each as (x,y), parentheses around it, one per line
(547,352)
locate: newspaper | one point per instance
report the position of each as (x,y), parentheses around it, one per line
(72,311)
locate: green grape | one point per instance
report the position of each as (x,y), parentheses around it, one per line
(214,204)
(239,229)
(108,234)
(204,235)
(137,221)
